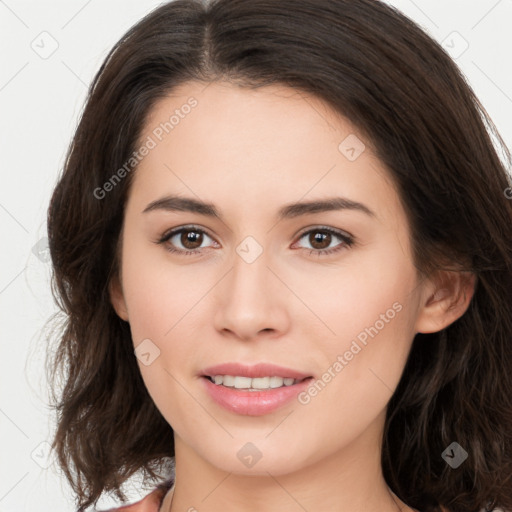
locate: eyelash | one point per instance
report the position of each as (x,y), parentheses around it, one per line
(347,240)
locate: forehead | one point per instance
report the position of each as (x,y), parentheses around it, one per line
(255,147)
(231,118)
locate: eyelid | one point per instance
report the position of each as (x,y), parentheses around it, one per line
(319,227)
(347,239)
(188,227)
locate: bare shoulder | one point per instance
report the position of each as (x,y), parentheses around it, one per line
(151,503)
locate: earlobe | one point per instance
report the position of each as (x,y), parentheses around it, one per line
(446,300)
(117,298)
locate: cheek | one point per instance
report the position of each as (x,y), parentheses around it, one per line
(365,296)
(371,310)
(161,304)
(158,293)
(164,308)
(361,370)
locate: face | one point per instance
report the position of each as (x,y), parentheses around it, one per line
(329,293)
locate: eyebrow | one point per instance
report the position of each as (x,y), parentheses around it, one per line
(186,204)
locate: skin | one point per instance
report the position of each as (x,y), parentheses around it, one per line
(250,152)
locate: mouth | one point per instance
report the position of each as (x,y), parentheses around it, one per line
(238,382)
(253,390)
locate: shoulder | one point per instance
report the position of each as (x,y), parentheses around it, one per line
(151,503)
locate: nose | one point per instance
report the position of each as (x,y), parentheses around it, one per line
(251,301)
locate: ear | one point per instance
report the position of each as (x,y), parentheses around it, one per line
(445,300)
(117,298)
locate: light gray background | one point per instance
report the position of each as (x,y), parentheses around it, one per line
(41,96)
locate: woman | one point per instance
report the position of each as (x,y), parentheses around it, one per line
(282,242)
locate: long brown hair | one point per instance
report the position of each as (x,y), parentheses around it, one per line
(374,66)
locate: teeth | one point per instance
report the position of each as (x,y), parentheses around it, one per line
(254,384)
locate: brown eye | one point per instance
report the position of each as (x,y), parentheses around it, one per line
(191,239)
(320,240)
(187,240)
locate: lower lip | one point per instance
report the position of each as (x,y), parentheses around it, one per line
(254,403)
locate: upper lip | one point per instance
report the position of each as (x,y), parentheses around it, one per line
(256,370)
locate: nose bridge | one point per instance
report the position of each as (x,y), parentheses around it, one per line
(249,280)
(250,299)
